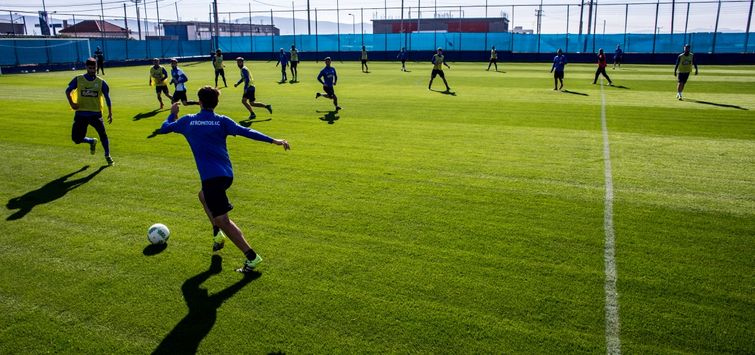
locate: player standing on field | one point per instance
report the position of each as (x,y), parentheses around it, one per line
(618,56)
(438,61)
(206,134)
(294,63)
(248,98)
(601,68)
(217,63)
(402,57)
(684,63)
(559,62)
(365,68)
(283,61)
(100,60)
(159,76)
(88,92)
(493,58)
(328,78)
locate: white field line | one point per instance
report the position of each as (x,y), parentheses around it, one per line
(613,344)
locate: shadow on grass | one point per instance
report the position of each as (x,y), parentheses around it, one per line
(154,249)
(143,115)
(248,123)
(203,310)
(51,191)
(619,87)
(330,116)
(719,105)
(574,92)
(445,92)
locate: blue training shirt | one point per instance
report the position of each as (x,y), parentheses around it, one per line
(559,62)
(206,133)
(329,73)
(283,58)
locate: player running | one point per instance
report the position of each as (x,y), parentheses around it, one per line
(328,78)
(439,60)
(602,68)
(89,90)
(206,134)
(559,62)
(217,63)
(283,61)
(248,97)
(684,63)
(493,59)
(179,79)
(159,76)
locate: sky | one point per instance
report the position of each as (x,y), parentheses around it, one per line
(640,14)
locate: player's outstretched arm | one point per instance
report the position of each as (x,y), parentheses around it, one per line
(282,142)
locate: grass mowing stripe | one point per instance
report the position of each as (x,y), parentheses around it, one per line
(613,343)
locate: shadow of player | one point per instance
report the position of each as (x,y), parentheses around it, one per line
(203,310)
(51,191)
(719,105)
(248,123)
(445,92)
(330,116)
(574,93)
(143,115)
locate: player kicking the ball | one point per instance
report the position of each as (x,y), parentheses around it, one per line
(206,134)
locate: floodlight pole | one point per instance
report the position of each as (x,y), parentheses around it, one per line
(715,31)
(217,26)
(747,32)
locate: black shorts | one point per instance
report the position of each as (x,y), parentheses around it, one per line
(494,61)
(294,63)
(329,90)
(682,77)
(179,96)
(364,61)
(617,59)
(220,72)
(558,74)
(81,123)
(438,72)
(249,93)
(215,196)
(163,88)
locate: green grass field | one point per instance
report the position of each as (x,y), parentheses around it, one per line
(410,222)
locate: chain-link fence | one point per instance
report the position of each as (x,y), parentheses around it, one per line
(714,26)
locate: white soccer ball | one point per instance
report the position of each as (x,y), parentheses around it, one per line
(158,233)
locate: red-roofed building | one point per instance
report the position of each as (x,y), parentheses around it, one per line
(95,28)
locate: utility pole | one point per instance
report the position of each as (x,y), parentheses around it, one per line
(138,19)
(539,15)
(749,20)
(217,26)
(309,25)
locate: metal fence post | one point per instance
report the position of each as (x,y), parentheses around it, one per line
(715,31)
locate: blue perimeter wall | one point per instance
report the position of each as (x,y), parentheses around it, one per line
(60,54)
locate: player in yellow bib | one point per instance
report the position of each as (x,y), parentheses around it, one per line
(217,63)
(365,68)
(493,59)
(159,76)
(294,63)
(438,62)
(85,94)
(684,64)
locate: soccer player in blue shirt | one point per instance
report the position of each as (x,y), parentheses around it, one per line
(402,57)
(283,61)
(88,92)
(206,134)
(179,79)
(618,55)
(248,98)
(559,62)
(328,78)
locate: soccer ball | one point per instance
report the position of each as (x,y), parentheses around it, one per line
(158,233)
